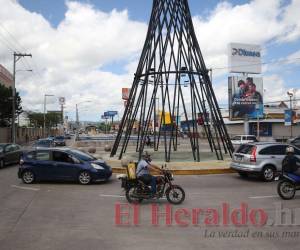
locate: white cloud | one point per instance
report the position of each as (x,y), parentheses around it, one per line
(292,21)
(257,22)
(275,90)
(71,56)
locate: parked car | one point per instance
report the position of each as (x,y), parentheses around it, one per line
(9,154)
(295,142)
(262,158)
(59,141)
(65,164)
(68,136)
(44,143)
(242,139)
(51,137)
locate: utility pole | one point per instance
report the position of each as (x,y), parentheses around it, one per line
(77,116)
(77,123)
(45,103)
(17,57)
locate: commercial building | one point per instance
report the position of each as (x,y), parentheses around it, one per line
(6,78)
(272,126)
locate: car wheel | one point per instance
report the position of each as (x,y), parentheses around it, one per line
(84,178)
(28,177)
(268,173)
(286,190)
(243,174)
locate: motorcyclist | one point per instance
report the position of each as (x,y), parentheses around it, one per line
(291,164)
(143,171)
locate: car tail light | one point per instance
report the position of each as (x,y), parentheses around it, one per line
(253,155)
(21,161)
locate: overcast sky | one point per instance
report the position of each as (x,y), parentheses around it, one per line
(89,49)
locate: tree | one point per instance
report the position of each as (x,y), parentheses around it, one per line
(37,119)
(6,106)
(104,127)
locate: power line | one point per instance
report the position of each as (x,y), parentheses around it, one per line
(263,63)
(6,43)
(16,43)
(13,38)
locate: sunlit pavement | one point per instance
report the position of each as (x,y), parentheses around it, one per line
(70,216)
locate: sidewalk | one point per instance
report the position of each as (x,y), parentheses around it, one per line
(185,168)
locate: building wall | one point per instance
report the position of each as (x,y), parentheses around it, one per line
(279,130)
(6,78)
(235,129)
(25,135)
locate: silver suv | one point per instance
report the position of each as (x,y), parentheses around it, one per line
(242,139)
(263,158)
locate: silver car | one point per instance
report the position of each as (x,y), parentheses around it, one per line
(262,158)
(242,139)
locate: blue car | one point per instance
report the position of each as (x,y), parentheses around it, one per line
(66,164)
(59,141)
(44,143)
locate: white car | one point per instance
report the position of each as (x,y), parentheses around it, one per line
(242,139)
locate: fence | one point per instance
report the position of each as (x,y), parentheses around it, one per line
(25,135)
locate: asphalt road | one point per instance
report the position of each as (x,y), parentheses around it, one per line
(70,216)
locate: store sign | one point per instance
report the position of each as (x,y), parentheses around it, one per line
(62,100)
(288,116)
(125,93)
(244,58)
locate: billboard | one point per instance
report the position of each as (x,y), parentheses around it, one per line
(110,113)
(245,97)
(125,93)
(244,58)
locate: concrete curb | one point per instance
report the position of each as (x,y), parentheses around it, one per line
(188,172)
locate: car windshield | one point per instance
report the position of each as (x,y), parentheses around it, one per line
(82,156)
(236,138)
(59,137)
(245,149)
(1,148)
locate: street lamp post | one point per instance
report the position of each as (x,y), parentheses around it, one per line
(257,126)
(291,109)
(77,117)
(45,103)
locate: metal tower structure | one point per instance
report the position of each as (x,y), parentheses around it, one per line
(172,84)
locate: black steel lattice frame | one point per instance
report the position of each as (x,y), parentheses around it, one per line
(171,50)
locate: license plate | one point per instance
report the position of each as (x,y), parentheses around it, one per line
(238,157)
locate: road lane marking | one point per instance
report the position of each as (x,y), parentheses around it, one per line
(113,196)
(25,188)
(263,197)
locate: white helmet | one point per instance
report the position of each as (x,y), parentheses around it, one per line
(290,150)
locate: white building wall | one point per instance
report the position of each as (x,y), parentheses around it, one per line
(281,131)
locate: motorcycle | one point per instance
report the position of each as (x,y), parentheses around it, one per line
(288,185)
(137,191)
